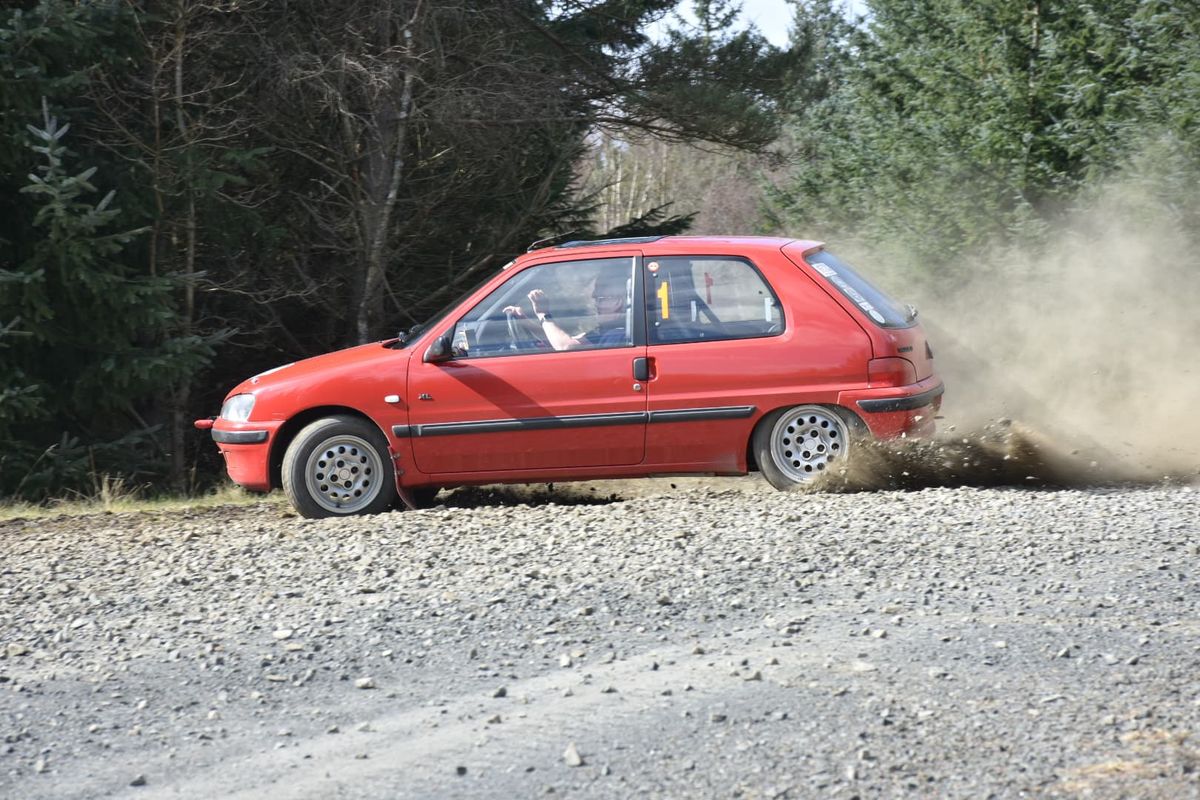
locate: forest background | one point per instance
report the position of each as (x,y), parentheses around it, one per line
(192,191)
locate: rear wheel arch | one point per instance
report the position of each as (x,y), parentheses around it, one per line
(856,430)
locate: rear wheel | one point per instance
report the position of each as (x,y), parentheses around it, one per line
(338,467)
(794,445)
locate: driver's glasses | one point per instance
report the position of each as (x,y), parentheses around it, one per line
(608,299)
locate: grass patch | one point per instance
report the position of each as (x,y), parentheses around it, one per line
(115,499)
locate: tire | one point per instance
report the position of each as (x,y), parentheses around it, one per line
(794,445)
(349,449)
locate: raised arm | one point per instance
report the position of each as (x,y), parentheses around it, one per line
(558,338)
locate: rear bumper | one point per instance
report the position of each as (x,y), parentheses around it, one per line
(246,448)
(906,402)
(895,411)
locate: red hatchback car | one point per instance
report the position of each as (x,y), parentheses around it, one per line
(596,359)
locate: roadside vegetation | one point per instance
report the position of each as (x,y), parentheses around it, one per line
(115,498)
(192,191)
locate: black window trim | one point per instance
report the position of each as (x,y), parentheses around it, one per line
(716,257)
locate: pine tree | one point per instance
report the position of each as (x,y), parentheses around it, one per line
(94,346)
(946,126)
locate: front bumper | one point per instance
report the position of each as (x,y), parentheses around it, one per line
(893,411)
(239,437)
(246,448)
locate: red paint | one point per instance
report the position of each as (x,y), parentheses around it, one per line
(823,354)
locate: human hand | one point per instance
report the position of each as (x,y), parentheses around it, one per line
(515,311)
(537,299)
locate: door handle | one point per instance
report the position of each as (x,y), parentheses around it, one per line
(641,369)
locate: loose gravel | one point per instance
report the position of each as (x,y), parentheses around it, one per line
(715,640)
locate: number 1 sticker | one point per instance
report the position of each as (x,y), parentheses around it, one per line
(664,296)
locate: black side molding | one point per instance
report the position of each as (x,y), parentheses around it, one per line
(528,424)
(906,403)
(238,437)
(689,414)
(572,421)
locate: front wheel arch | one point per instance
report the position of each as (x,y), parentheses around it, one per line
(295,424)
(339,466)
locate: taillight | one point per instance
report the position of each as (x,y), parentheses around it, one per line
(890,372)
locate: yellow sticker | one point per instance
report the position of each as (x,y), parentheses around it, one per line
(664,296)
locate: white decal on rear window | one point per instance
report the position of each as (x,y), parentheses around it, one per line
(847,289)
(878,306)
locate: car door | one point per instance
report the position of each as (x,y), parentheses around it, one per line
(721,353)
(508,401)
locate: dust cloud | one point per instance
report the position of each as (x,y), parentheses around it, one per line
(1073,362)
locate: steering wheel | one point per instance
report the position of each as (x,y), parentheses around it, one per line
(520,335)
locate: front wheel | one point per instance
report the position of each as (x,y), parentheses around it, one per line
(794,445)
(337,467)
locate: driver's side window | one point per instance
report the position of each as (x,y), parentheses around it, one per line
(559,306)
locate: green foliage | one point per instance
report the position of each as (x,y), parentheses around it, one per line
(50,51)
(286,167)
(657,221)
(307,173)
(502,98)
(944,126)
(714,83)
(20,400)
(91,346)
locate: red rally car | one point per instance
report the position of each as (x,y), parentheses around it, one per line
(596,359)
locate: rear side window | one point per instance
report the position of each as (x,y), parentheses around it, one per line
(705,298)
(875,304)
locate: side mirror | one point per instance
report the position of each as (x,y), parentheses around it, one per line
(439,351)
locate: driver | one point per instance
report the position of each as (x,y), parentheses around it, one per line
(609,293)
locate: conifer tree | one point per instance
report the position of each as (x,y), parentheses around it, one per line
(944,127)
(93,348)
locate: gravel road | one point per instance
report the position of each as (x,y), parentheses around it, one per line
(714,640)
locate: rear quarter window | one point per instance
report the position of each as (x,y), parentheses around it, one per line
(883,310)
(708,298)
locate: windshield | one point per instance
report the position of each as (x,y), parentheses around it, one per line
(406,337)
(885,311)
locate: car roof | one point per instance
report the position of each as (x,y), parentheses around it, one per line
(677,245)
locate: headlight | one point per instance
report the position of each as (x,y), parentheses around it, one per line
(238,408)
